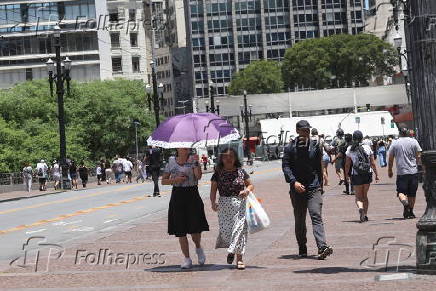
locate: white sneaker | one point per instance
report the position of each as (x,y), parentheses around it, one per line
(187,264)
(201,256)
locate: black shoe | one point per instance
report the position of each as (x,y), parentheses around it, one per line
(324,252)
(366,218)
(341,182)
(411,214)
(156,195)
(230,258)
(302,252)
(346,192)
(406,212)
(362,215)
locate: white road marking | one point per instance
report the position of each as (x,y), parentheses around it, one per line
(66,223)
(34,231)
(83,228)
(110,220)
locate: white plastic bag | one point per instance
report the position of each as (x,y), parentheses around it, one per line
(256,217)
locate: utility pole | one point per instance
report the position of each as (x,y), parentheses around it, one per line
(420,31)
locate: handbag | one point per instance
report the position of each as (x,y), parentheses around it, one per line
(256,216)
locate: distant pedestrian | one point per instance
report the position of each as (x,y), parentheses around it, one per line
(128,167)
(42,173)
(83,173)
(99,173)
(155,160)
(360,160)
(117,167)
(141,171)
(302,169)
(73,174)
(233,184)
(407,153)
(28,176)
(56,174)
(204,160)
(108,171)
(381,151)
(337,142)
(341,154)
(103,172)
(186,210)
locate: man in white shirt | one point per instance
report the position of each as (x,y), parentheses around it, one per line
(42,173)
(128,166)
(407,153)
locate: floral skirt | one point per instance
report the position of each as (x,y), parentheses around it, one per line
(233,226)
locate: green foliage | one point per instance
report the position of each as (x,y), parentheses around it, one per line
(99,122)
(260,77)
(337,60)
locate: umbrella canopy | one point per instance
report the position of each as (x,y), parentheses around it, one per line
(193,130)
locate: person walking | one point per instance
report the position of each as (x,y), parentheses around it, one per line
(360,156)
(108,171)
(337,142)
(28,176)
(42,172)
(406,151)
(83,173)
(141,171)
(341,154)
(381,151)
(233,184)
(73,174)
(117,167)
(155,160)
(99,173)
(204,160)
(128,167)
(186,209)
(302,169)
(56,174)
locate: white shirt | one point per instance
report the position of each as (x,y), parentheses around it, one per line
(353,156)
(56,170)
(367,142)
(98,170)
(44,168)
(127,165)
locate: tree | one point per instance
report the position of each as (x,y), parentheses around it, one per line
(260,77)
(99,122)
(337,60)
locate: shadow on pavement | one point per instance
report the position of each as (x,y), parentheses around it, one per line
(296,257)
(337,270)
(196,268)
(396,218)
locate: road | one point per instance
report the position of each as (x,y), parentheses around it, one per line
(74,215)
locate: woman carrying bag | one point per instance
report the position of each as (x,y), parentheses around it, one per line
(234,185)
(186,210)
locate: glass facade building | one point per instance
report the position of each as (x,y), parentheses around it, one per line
(225,36)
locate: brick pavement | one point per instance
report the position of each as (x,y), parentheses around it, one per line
(271,255)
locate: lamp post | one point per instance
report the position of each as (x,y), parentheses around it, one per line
(59,78)
(212,98)
(148,91)
(398,42)
(136,123)
(155,93)
(160,90)
(246,116)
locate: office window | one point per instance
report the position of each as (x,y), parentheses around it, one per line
(135,65)
(116,64)
(134,40)
(115,40)
(29,74)
(132,14)
(113,16)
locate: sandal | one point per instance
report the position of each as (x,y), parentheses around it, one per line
(230,258)
(241,265)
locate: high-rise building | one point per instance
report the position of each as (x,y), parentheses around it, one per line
(225,36)
(105,39)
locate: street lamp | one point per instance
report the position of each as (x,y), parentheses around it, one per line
(212,97)
(155,93)
(60,77)
(398,42)
(160,90)
(136,123)
(218,107)
(246,115)
(149,91)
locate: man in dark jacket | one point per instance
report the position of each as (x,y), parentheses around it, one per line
(303,171)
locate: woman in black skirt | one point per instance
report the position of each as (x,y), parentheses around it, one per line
(186,209)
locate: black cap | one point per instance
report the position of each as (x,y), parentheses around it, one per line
(339,132)
(314,131)
(404,131)
(303,124)
(357,135)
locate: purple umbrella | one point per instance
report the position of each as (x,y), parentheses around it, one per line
(193,130)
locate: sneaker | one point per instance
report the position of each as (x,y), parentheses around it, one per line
(187,264)
(341,182)
(362,215)
(366,218)
(346,192)
(302,252)
(201,256)
(324,252)
(406,212)
(411,214)
(230,258)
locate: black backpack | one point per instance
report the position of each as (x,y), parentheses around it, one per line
(363,163)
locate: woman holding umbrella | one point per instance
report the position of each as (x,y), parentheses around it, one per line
(186,210)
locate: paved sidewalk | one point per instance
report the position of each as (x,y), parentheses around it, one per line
(271,258)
